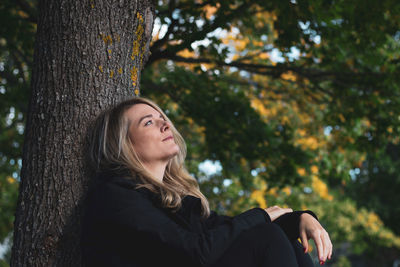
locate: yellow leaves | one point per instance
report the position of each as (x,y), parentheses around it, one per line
(374,226)
(267,113)
(240,45)
(101,68)
(120,71)
(321,188)
(314,169)
(284,119)
(289,76)
(210,10)
(389,129)
(259,43)
(22,14)
(273,192)
(265,18)
(186,53)
(259,106)
(342,118)
(366,123)
(350,139)
(226,40)
(264,56)
(310,142)
(175,107)
(301,171)
(373,222)
(10,180)
(258,196)
(301,132)
(287,190)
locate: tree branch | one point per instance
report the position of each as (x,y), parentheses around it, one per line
(187,37)
(275,71)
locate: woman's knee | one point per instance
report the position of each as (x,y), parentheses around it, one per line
(274,232)
(276,247)
(264,234)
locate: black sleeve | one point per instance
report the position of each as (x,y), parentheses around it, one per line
(215,219)
(143,222)
(289,222)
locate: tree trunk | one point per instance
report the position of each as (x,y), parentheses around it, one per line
(88,56)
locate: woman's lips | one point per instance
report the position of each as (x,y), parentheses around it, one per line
(168,138)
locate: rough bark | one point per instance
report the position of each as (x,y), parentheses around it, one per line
(88,56)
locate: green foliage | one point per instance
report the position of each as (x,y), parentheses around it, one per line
(343,262)
(8,197)
(376,186)
(285,131)
(233,130)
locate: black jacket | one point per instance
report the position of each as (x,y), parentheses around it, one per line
(124,226)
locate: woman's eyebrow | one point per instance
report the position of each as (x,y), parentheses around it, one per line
(142,118)
(148,116)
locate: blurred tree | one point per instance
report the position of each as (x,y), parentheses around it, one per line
(376,184)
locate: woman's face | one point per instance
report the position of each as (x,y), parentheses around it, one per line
(150,134)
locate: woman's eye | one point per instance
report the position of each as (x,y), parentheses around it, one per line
(148,123)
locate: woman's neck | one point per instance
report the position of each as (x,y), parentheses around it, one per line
(157,170)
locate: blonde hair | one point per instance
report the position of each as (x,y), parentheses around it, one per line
(111,150)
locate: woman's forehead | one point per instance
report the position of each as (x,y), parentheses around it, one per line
(137,111)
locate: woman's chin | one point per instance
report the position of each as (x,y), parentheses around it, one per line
(174,151)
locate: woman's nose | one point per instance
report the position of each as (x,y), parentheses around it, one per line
(164,126)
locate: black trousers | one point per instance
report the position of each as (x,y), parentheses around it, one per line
(265,245)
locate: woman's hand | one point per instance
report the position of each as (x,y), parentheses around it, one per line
(275,212)
(311,228)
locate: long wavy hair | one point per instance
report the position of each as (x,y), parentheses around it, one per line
(111,149)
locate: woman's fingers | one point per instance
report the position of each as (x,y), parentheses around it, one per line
(304,241)
(329,245)
(330,252)
(320,246)
(324,246)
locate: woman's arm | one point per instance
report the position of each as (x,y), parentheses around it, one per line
(132,213)
(290,222)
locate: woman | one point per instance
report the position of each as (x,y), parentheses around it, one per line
(144,209)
